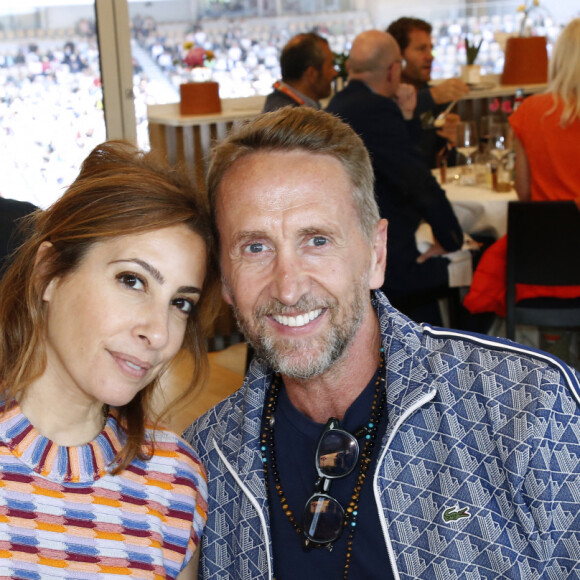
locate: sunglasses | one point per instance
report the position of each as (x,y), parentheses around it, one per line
(337,453)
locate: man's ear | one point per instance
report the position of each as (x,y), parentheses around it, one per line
(311,74)
(43,258)
(379,255)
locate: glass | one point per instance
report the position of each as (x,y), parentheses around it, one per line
(337,453)
(466,142)
(499,144)
(484,129)
(500,148)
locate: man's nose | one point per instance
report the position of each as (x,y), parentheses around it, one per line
(290,278)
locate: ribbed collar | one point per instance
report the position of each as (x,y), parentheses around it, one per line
(83,464)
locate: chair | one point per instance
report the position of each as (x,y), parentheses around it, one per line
(543,249)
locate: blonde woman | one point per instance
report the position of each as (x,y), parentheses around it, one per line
(547,128)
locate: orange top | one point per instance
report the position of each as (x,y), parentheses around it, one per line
(552,150)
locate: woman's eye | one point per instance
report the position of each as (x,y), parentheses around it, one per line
(132,281)
(184,304)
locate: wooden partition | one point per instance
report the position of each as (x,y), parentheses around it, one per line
(187,139)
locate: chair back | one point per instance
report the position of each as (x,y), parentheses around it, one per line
(543,248)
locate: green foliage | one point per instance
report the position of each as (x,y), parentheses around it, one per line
(340,64)
(471,51)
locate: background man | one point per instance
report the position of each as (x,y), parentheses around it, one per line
(380,110)
(307,66)
(466,443)
(414,39)
(11,212)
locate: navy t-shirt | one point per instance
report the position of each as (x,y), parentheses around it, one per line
(296,437)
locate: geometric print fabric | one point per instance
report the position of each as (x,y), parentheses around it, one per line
(479,475)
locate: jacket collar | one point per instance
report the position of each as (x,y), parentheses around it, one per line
(406,372)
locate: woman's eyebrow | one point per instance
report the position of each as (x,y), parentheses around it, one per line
(155,273)
(189,290)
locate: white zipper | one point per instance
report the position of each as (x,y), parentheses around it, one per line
(254,502)
(419,403)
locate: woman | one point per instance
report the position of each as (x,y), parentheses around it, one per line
(547,130)
(118,275)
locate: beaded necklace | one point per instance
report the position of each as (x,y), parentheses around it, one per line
(267,447)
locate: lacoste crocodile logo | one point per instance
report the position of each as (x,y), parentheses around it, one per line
(455,513)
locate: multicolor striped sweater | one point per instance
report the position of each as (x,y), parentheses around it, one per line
(62,515)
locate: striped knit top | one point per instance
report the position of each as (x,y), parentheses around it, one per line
(62,515)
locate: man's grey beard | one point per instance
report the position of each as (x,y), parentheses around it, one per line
(283,355)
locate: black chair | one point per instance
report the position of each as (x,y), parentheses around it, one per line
(543,249)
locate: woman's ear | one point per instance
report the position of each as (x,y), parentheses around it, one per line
(41,265)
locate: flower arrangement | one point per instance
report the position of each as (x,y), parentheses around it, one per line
(526,8)
(196,56)
(504,108)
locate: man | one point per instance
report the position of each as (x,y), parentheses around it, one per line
(380,110)
(467,445)
(307,66)
(414,39)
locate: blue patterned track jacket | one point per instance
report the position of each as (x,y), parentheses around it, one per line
(478,477)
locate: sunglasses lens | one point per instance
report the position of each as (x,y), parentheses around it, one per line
(323,519)
(337,453)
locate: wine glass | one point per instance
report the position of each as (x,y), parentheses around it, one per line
(467,143)
(499,145)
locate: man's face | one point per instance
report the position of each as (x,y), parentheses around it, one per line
(418,57)
(296,267)
(322,86)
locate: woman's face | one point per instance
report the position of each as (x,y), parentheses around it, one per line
(120,317)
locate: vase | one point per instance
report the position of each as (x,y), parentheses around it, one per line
(526,61)
(199,98)
(471,73)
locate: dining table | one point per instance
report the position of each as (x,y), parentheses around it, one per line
(479,210)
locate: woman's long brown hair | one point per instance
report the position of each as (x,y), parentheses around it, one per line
(119,191)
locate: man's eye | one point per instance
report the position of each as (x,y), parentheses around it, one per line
(184,304)
(255,248)
(131,281)
(319,241)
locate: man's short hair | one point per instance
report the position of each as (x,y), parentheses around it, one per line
(300,52)
(300,129)
(401,28)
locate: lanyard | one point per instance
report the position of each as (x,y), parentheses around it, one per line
(284,88)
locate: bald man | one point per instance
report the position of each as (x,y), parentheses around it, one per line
(380,109)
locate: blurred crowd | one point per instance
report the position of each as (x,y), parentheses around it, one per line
(52,98)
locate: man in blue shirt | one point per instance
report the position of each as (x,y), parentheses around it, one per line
(380,109)
(361,444)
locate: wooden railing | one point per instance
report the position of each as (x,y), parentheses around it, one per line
(187,139)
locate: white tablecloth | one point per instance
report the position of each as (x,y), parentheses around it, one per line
(478,209)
